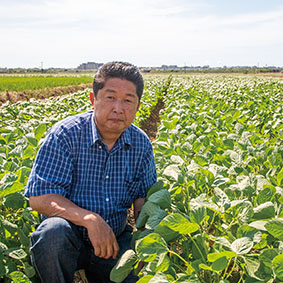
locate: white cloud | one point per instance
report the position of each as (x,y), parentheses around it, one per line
(68,32)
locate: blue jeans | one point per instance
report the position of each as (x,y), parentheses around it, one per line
(58,250)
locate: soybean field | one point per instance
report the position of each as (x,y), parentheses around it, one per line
(216,212)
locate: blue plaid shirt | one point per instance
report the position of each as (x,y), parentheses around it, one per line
(74,162)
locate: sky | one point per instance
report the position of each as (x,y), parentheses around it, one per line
(146,33)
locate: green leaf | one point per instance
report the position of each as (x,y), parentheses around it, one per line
(264,211)
(180,224)
(280,178)
(259,225)
(145,279)
(24,240)
(23,174)
(245,212)
(40,131)
(31,140)
(220,198)
(275,228)
(29,270)
(277,264)
(201,160)
(199,248)
(9,177)
(31,215)
(172,172)
(29,152)
(209,176)
(250,232)
(242,246)
(19,277)
(172,124)
(155,219)
(228,143)
(16,253)
(220,264)
(2,269)
(10,265)
(15,201)
(266,194)
(151,246)
(165,232)
(124,266)
(142,218)
(9,226)
(197,214)
(15,187)
(252,266)
(150,208)
(267,256)
(3,247)
(205,267)
(159,185)
(159,278)
(162,198)
(17,151)
(215,256)
(163,263)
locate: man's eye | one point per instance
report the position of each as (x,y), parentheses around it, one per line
(110,97)
(129,101)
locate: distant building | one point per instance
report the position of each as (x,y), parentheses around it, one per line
(4,70)
(170,67)
(89,66)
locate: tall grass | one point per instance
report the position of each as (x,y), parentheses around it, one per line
(23,83)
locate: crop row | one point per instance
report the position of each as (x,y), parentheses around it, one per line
(24,83)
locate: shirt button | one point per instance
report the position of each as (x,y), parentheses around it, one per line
(107,220)
(107,199)
(100,147)
(107,177)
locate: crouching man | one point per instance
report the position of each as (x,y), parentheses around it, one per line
(90,169)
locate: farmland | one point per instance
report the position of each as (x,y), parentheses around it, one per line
(216,212)
(14,88)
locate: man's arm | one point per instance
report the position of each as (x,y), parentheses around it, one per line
(138,204)
(101,235)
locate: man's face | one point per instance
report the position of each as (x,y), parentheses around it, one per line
(115,107)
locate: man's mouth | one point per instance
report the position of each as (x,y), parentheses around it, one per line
(116,120)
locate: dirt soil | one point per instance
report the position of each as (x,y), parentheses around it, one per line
(15,96)
(149,126)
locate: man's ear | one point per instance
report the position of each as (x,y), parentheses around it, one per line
(139,106)
(91,97)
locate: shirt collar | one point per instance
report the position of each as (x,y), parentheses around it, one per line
(124,139)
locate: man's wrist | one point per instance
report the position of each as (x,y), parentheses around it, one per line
(91,218)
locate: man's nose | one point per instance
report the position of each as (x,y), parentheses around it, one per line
(118,106)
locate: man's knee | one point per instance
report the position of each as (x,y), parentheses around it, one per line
(55,233)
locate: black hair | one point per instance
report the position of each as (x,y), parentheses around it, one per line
(121,70)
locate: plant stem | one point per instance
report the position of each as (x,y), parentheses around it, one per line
(176,254)
(226,268)
(232,268)
(212,221)
(197,248)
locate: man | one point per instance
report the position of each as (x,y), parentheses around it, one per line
(87,173)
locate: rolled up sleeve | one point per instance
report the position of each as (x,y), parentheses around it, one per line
(52,168)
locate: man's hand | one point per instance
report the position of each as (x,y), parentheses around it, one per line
(101,236)
(100,233)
